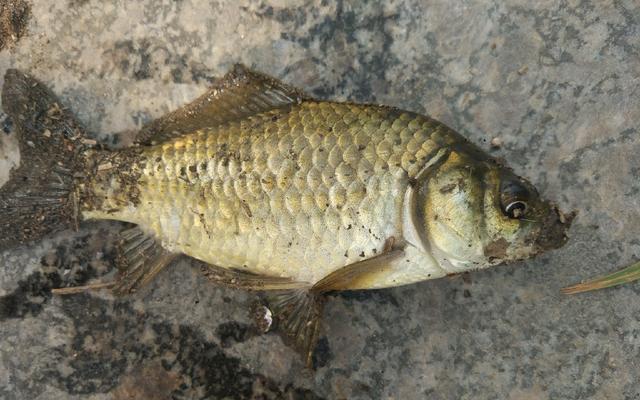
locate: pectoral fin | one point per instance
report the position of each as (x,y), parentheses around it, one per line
(352,276)
(237,95)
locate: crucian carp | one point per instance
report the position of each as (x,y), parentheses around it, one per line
(272,190)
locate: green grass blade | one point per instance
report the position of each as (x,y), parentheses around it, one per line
(625,275)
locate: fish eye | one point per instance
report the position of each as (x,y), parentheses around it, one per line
(516,209)
(513,198)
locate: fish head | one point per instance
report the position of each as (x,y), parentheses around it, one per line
(473,212)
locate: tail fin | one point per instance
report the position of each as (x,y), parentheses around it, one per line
(39,197)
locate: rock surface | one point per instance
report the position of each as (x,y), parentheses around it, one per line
(555,83)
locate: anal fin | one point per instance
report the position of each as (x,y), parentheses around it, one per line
(298,314)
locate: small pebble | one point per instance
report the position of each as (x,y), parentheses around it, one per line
(263,318)
(89,142)
(105,166)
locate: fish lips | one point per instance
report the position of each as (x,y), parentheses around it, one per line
(553,229)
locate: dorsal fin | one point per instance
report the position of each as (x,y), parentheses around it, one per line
(239,94)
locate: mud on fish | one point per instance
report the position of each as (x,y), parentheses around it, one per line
(274,191)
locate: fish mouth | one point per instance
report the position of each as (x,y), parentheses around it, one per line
(553,229)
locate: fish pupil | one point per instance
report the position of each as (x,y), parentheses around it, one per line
(516,209)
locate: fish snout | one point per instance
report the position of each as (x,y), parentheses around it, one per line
(554,228)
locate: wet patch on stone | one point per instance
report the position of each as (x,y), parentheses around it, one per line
(234,332)
(29,297)
(322,353)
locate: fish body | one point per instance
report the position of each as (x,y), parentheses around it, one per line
(297,192)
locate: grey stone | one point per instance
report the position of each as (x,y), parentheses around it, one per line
(556,81)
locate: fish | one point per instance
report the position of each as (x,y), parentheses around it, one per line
(268,189)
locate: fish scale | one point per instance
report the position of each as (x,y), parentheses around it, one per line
(297,192)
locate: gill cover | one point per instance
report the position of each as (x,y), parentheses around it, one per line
(471,212)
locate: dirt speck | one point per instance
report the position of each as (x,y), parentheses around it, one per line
(497,248)
(14,15)
(523,70)
(448,188)
(77,3)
